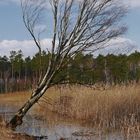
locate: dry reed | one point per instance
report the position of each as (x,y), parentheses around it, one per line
(116,107)
(109,107)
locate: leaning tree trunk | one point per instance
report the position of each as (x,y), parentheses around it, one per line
(18,117)
(82,35)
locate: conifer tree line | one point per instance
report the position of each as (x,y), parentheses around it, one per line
(18,73)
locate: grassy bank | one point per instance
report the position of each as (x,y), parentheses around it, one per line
(116,107)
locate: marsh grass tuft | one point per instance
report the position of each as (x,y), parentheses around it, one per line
(109,107)
(112,107)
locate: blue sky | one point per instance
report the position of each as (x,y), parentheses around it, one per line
(13,32)
(133,22)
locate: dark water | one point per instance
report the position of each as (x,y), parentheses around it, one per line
(37,126)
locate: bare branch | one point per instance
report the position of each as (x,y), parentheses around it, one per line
(78,26)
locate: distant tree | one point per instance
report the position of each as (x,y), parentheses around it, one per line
(78,26)
(12,60)
(134,66)
(27,73)
(5,72)
(118,68)
(36,67)
(19,63)
(99,69)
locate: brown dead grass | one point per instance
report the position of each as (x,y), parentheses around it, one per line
(14,97)
(116,107)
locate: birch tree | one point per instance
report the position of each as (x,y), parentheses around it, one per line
(78,26)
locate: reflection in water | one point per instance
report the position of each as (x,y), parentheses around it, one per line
(55,127)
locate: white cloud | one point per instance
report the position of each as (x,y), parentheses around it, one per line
(40,28)
(46,4)
(9,1)
(118,46)
(28,47)
(16,1)
(132,3)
